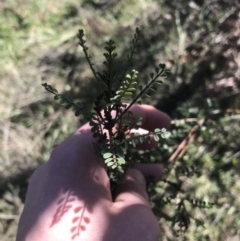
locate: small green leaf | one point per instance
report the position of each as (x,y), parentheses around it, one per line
(78,112)
(125,98)
(162,66)
(115,97)
(91,123)
(157,130)
(120,169)
(119,92)
(134,143)
(156,137)
(131,89)
(153,88)
(127,94)
(164,76)
(158,82)
(107,155)
(68,106)
(79,104)
(149,139)
(121,160)
(62,101)
(108,160)
(57,97)
(164,130)
(148,94)
(152,75)
(141,139)
(110,164)
(94,129)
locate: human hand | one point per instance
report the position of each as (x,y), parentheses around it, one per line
(69,197)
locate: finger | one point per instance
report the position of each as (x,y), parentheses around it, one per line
(132,190)
(148,169)
(152,118)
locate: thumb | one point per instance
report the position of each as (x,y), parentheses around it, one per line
(132,190)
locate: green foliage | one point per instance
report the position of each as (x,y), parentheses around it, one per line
(111,118)
(67,102)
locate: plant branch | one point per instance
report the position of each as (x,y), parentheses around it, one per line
(139,95)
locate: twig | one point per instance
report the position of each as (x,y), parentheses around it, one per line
(236,155)
(182,146)
(236,111)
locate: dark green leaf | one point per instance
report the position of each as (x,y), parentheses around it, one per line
(79,104)
(57,97)
(62,101)
(78,112)
(91,123)
(68,106)
(153,88)
(134,142)
(158,82)
(148,94)
(162,66)
(94,129)
(141,139)
(149,139)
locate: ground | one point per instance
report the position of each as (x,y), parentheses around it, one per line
(197,40)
